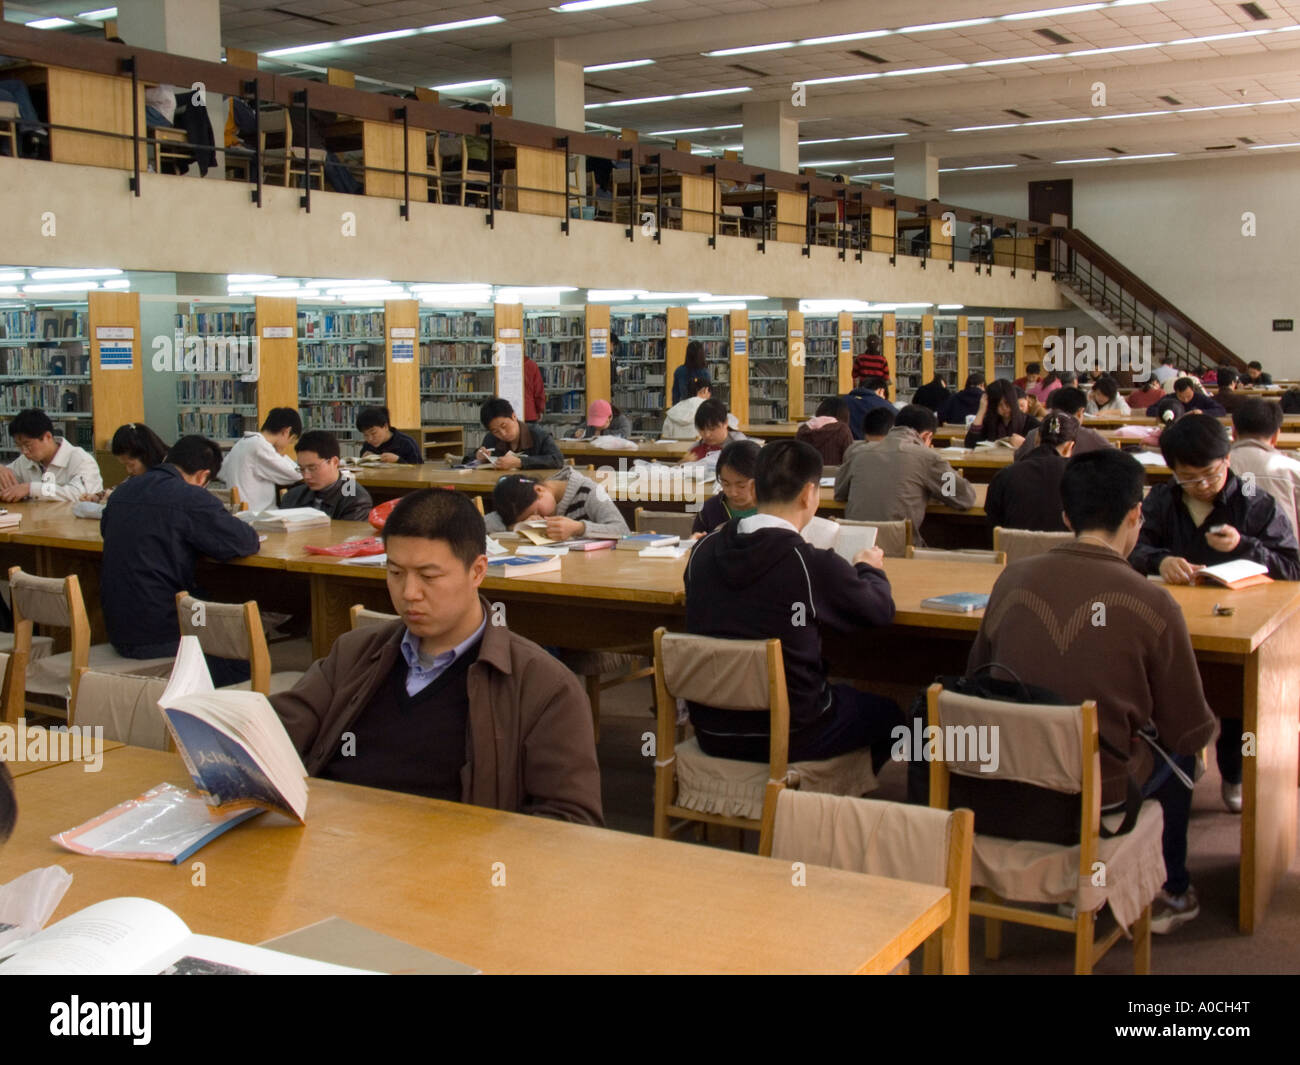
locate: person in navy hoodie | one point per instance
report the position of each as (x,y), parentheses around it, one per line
(748,580)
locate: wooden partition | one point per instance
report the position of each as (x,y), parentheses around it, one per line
(277,354)
(882,230)
(402,362)
(739,345)
(796,350)
(698,193)
(963,349)
(82,100)
(846,351)
(599,370)
(791,217)
(678,329)
(117,354)
(927,348)
(539,179)
(381,145)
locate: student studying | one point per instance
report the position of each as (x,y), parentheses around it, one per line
(829,430)
(679,421)
(511,444)
(741,582)
(999,415)
(571,503)
(869,393)
(713,424)
(1256,424)
(325,487)
(1070,401)
(440,702)
(257,464)
(1027,494)
(49,467)
(735,472)
(383,440)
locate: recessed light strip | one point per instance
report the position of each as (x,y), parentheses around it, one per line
(370,38)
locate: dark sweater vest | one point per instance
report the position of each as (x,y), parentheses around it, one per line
(415,744)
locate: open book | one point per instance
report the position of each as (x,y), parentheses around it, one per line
(139,937)
(845,540)
(1240,573)
(287,519)
(233,744)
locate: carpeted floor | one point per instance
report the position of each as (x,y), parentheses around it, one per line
(1208,944)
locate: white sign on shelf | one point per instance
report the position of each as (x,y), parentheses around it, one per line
(510,374)
(599,347)
(889,332)
(796,333)
(598,332)
(675,333)
(277,332)
(115,332)
(507,334)
(402,332)
(403,351)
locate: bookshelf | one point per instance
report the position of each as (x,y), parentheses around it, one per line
(908,354)
(1008,350)
(711,331)
(947,365)
(214,402)
(869,325)
(554,340)
(640,389)
(45,364)
(456,371)
(976,349)
(769,368)
(821,371)
(341,369)
(1034,338)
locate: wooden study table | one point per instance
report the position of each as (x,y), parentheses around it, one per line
(102,747)
(584,454)
(576,899)
(771,431)
(1290,422)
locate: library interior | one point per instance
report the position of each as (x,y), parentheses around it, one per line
(649,445)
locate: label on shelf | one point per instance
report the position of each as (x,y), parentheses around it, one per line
(846,341)
(277,332)
(961,332)
(676,333)
(115,332)
(889,332)
(404,350)
(507,334)
(402,332)
(796,333)
(599,346)
(1020,332)
(598,332)
(929,344)
(741,343)
(116,354)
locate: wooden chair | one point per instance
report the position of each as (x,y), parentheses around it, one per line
(1052,747)
(58,603)
(233,630)
(1021,543)
(433,168)
(478,502)
(890,839)
(892,537)
(9,115)
(162,143)
(125,706)
(730,220)
(474,184)
(668,522)
(965,554)
(744,675)
(290,162)
(361,617)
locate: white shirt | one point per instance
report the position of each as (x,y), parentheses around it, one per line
(1278,474)
(763,521)
(255,468)
(1165,373)
(71,474)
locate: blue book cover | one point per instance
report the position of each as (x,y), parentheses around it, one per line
(221,768)
(957,602)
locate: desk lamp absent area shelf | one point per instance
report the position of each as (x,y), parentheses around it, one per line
(554,340)
(640,377)
(215,404)
(457,374)
(712,332)
(769,368)
(341,369)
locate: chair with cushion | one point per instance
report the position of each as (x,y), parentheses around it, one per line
(1053,748)
(892,537)
(362,617)
(290,162)
(670,523)
(890,839)
(965,554)
(746,675)
(52,679)
(475,184)
(234,630)
(125,706)
(9,115)
(1022,543)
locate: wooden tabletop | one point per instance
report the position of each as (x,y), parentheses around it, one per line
(575,899)
(92,750)
(1285,441)
(584,451)
(771,431)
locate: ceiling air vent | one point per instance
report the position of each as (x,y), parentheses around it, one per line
(1013,111)
(603,88)
(1171,101)
(1246,140)
(1026,155)
(870,57)
(1255,12)
(1219,147)
(304,18)
(917,122)
(1117,151)
(1053,36)
(749,70)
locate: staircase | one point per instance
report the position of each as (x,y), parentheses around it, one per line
(1124,305)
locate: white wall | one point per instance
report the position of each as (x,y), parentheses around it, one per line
(1178,226)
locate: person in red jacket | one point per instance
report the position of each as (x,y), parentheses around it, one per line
(534,392)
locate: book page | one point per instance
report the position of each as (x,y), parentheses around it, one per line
(189,673)
(115,937)
(210,956)
(850,539)
(821,532)
(1236,570)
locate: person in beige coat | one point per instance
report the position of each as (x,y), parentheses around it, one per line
(1255,458)
(446,702)
(897,477)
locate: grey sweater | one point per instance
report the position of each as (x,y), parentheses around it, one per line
(583,500)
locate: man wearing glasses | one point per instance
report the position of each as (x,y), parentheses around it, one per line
(324,486)
(1204,516)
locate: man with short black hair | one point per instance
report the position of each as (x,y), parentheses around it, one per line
(868,393)
(1256,460)
(257,463)
(899,476)
(758,578)
(325,487)
(713,424)
(877,423)
(1229,392)
(49,467)
(511,444)
(1256,377)
(155,528)
(1072,401)
(1192,398)
(445,702)
(383,440)
(1139,667)
(961,407)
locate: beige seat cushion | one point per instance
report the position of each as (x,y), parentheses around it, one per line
(280,682)
(731,788)
(1029,871)
(125,706)
(50,675)
(42,646)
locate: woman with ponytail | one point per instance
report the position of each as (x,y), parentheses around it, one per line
(1027,494)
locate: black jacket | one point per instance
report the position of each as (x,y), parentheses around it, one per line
(773,583)
(1020,425)
(1027,494)
(860,401)
(1167,529)
(934,395)
(960,404)
(1206,404)
(399,444)
(535,448)
(155,526)
(350,505)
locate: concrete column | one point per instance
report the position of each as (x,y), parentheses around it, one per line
(545,88)
(771,135)
(916,170)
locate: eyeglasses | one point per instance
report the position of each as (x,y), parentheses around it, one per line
(1208,480)
(310,468)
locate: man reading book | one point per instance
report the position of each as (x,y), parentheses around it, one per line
(257,464)
(49,467)
(511,444)
(446,701)
(1205,516)
(383,440)
(324,486)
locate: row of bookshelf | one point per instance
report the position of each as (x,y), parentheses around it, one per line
(342,356)
(434,324)
(217,323)
(335,386)
(67,398)
(72,361)
(458,354)
(212,390)
(33,323)
(325,323)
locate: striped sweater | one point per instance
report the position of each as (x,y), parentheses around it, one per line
(583,500)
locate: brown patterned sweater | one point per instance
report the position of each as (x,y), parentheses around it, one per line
(1080,621)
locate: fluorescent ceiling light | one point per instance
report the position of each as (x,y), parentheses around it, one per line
(944,25)
(1060,121)
(848,162)
(862,137)
(734,299)
(13,275)
(387,35)
(1041,58)
(462,24)
(901,306)
(99,15)
(1149,155)
(1132,114)
(1047,12)
(1116,158)
(975,129)
(669,297)
(50,24)
(837,38)
(950,306)
(691,129)
(992,166)
(65,286)
(237,278)
(672,96)
(842,77)
(924,70)
(300,49)
(751,48)
(613,295)
(56,275)
(1096,159)
(1219,37)
(832,306)
(1284,144)
(710,308)
(119,283)
(479,84)
(1117,48)
(624,65)
(371,38)
(8,290)
(576,6)
(713,92)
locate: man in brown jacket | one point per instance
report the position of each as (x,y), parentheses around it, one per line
(446,702)
(897,477)
(1082,622)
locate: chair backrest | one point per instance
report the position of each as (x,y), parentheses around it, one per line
(274,120)
(228,630)
(1022,543)
(891,839)
(970,554)
(664,521)
(892,537)
(8,109)
(362,617)
(44,601)
(125,706)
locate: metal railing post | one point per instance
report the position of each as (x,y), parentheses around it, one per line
(713,208)
(405,209)
(564,222)
(305,199)
(492,174)
(633,176)
(254,87)
(134,181)
(659,199)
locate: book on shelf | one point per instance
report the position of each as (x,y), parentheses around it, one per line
(140,937)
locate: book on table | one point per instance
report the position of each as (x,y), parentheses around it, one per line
(341,942)
(522,565)
(1239,573)
(286,519)
(640,541)
(140,937)
(9,519)
(957,602)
